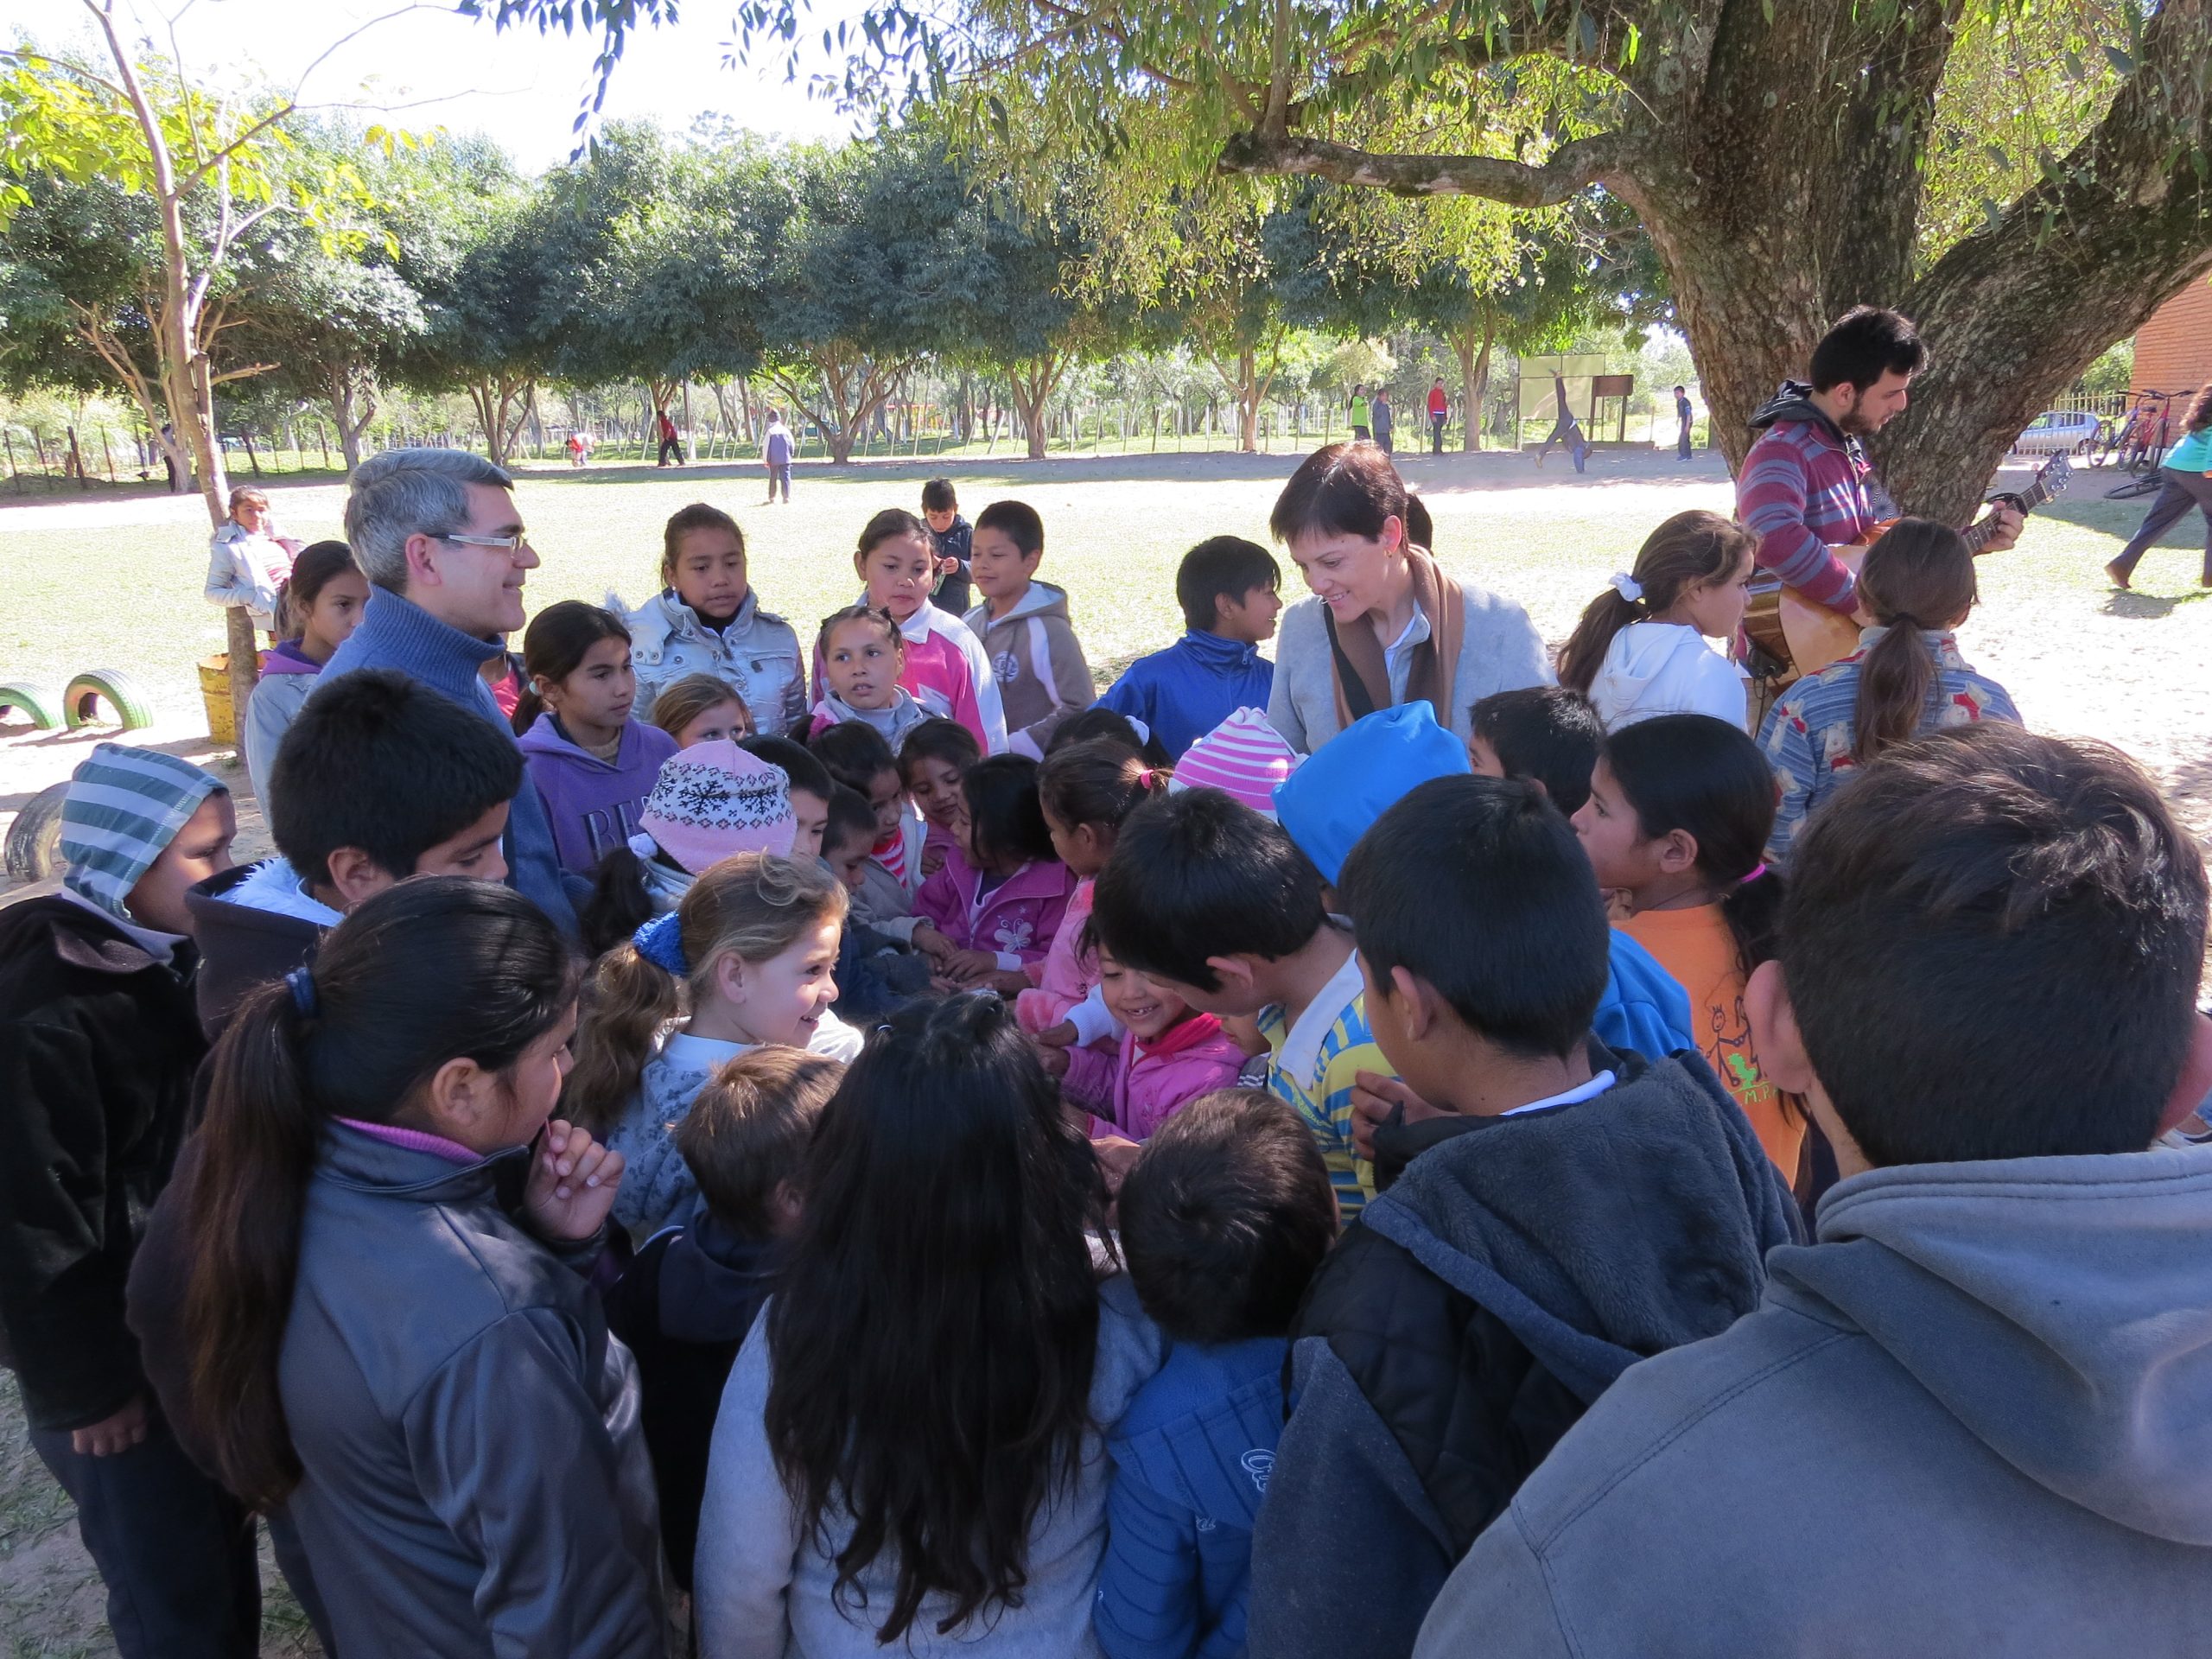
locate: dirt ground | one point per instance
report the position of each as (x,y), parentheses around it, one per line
(2079,659)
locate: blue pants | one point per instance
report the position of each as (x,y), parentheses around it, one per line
(175,1550)
(1682,443)
(779,471)
(2178,493)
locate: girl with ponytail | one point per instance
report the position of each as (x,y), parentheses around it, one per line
(745,960)
(1905,679)
(1641,647)
(1677,820)
(1086,789)
(385,1322)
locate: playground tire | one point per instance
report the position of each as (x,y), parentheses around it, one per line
(32,701)
(121,691)
(35,838)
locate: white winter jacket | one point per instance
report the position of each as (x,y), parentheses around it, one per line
(1668,668)
(757,656)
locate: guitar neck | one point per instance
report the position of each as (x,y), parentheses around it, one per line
(1979,535)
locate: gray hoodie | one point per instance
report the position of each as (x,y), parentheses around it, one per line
(1038,664)
(1975,1417)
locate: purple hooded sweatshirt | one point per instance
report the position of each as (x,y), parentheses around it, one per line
(592,806)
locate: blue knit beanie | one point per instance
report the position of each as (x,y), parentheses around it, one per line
(1329,802)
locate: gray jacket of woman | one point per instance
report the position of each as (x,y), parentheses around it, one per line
(476,1479)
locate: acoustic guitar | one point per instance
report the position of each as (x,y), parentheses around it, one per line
(1803,637)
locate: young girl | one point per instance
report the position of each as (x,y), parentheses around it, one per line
(320,607)
(862,1499)
(710,802)
(1169,1055)
(248,559)
(706,620)
(858,757)
(1677,819)
(744,960)
(592,765)
(388,1324)
(937,758)
(945,665)
(1084,790)
(1640,649)
(1905,678)
(989,915)
(863,654)
(699,708)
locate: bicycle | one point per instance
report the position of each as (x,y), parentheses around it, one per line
(2138,442)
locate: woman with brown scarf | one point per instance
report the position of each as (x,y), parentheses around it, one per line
(1386,625)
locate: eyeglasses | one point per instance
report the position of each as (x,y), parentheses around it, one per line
(505,544)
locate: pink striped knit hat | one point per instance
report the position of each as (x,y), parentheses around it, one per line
(714,799)
(1243,756)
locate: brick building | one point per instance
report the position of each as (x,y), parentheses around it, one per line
(2173,350)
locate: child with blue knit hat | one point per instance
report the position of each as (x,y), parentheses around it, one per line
(98,1041)
(1332,800)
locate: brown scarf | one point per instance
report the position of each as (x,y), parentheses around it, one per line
(1362,676)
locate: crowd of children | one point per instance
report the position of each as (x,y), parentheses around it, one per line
(1257,1201)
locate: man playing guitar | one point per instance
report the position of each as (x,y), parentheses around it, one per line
(1806,487)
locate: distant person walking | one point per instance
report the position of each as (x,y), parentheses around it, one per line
(1565,430)
(579,448)
(1360,431)
(669,445)
(1379,417)
(1439,410)
(1682,417)
(776,453)
(2185,481)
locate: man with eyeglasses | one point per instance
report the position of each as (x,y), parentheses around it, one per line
(437,534)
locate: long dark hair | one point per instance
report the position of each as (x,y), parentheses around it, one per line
(1687,552)
(1097,782)
(555,645)
(1917,579)
(320,563)
(1708,778)
(933,1336)
(891,521)
(2200,411)
(428,971)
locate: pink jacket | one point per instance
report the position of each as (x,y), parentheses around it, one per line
(1018,921)
(1068,975)
(1133,1090)
(947,673)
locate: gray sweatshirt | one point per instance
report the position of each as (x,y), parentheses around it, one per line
(1975,1417)
(1499,651)
(764,1592)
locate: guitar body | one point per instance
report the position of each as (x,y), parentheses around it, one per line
(1801,637)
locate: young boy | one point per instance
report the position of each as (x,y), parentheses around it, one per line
(1547,734)
(1218,905)
(951,533)
(1023,623)
(1227,588)
(809,788)
(874,972)
(684,1304)
(378,778)
(1977,1390)
(99,1043)
(1570,1212)
(1224,1218)
(1347,783)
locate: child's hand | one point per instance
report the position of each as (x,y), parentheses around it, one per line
(950,566)
(1117,1156)
(118,1433)
(932,944)
(1060,1036)
(970,966)
(1007,982)
(932,859)
(1054,1060)
(572,1182)
(1373,1099)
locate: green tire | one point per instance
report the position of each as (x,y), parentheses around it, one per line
(32,701)
(120,692)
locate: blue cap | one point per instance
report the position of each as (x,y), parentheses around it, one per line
(1332,800)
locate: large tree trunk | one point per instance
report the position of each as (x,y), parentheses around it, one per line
(1471,341)
(1248,400)
(353,406)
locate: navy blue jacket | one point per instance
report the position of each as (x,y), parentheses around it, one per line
(396,632)
(1192,1458)
(1185,691)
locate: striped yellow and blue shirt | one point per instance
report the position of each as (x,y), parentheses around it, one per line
(1313,1062)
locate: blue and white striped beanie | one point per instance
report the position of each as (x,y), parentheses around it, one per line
(124,806)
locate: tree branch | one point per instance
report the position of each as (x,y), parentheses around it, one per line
(1573,168)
